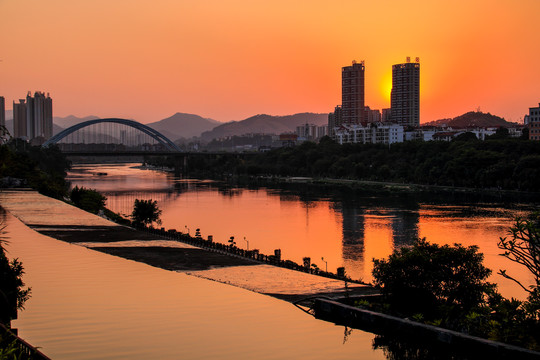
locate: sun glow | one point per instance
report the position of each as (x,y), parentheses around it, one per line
(225,59)
(386,87)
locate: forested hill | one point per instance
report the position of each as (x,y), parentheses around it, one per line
(473,119)
(264,124)
(502,164)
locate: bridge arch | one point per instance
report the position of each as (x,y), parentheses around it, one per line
(156,135)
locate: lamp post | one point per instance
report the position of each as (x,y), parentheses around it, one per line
(326,263)
(247,243)
(187,229)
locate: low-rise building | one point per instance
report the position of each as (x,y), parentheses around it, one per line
(533,120)
(288,140)
(377,133)
(372,115)
(322,131)
(424,133)
(307,131)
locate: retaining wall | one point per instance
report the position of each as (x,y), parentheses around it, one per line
(390,325)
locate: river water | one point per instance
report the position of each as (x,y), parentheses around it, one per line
(89,305)
(345,228)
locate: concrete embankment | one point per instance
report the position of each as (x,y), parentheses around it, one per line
(64,222)
(394,327)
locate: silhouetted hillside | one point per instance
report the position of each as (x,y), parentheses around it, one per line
(265,124)
(183,125)
(70,120)
(472,119)
(9,126)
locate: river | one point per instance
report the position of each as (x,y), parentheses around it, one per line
(333,228)
(90,305)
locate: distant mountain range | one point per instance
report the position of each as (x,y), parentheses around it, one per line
(264,124)
(68,121)
(182,125)
(185,126)
(472,119)
(9,126)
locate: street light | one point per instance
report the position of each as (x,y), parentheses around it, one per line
(326,263)
(187,229)
(247,243)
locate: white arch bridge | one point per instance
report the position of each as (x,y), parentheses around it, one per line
(112,136)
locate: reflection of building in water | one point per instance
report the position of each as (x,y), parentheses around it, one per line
(353,230)
(352,237)
(404,227)
(353,225)
(402,223)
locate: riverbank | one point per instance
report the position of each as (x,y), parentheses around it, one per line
(64,222)
(395,328)
(369,185)
(388,187)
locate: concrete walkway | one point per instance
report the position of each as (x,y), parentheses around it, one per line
(62,221)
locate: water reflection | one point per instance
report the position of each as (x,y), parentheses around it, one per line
(347,228)
(89,305)
(396,348)
(404,227)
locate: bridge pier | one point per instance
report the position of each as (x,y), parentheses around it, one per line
(180,164)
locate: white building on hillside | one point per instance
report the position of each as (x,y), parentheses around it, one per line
(371,134)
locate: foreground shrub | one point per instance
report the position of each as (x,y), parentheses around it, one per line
(426,277)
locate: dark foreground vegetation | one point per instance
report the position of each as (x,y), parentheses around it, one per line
(43,169)
(510,164)
(13,295)
(446,286)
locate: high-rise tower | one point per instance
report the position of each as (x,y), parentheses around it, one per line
(352,93)
(2,111)
(38,115)
(405,98)
(33,118)
(19,119)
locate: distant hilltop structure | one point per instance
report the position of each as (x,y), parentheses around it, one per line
(32,118)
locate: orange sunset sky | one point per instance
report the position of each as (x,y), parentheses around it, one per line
(227,60)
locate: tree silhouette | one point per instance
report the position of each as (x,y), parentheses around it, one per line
(146,212)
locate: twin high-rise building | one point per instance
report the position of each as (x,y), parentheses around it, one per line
(352,93)
(405,98)
(32,117)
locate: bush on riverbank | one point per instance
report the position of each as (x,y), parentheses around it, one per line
(145,212)
(446,286)
(427,277)
(87,199)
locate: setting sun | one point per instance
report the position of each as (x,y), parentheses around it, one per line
(386,87)
(231,60)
